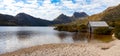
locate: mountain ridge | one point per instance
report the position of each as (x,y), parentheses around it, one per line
(108,15)
(28,20)
(67,19)
(23,19)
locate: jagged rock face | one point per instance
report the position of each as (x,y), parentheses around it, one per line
(79,15)
(62,19)
(23,19)
(66,19)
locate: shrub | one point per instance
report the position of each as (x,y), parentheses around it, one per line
(72,28)
(103,31)
(117,31)
(82,28)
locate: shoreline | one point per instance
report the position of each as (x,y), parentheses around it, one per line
(74,49)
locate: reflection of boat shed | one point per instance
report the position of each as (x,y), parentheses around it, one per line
(96,24)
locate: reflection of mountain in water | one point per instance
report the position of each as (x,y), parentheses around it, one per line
(65,37)
(79,37)
(62,35)
(23,37)
(73,37)
(24,34)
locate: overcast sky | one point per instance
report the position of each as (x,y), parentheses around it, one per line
(50,9)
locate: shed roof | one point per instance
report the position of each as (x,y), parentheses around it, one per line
(98,24)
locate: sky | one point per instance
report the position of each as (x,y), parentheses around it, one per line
(50,9)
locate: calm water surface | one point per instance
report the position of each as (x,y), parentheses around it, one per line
(14,38)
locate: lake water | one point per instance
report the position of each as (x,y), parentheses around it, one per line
(14,38)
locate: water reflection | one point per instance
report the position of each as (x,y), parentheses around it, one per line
(73,37)
(22,37)
(62,35)
(2,44)
(66,37)
(80,37)
(103,38)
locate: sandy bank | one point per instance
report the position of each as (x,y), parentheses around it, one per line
(75,49)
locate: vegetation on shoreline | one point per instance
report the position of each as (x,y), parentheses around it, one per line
(117,31)
(111,15)
(103,31)
(72,28)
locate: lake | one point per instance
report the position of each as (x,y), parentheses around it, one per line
(14,38)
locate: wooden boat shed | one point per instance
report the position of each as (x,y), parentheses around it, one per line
(96,24)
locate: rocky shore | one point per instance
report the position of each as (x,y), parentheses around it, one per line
(75,49)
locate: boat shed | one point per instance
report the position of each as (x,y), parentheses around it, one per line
(96,24)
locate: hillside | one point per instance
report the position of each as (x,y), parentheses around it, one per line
(7,20)
(109,15)
(22,19)
(28,20)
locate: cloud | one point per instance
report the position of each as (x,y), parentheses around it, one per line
(50,9)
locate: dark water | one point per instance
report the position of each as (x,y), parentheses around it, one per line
(14,38)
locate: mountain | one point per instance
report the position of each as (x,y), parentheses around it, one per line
(6,20)
(23,19)
(111,13)
(27,20)
(108,15)
(61,19)
(79,15)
